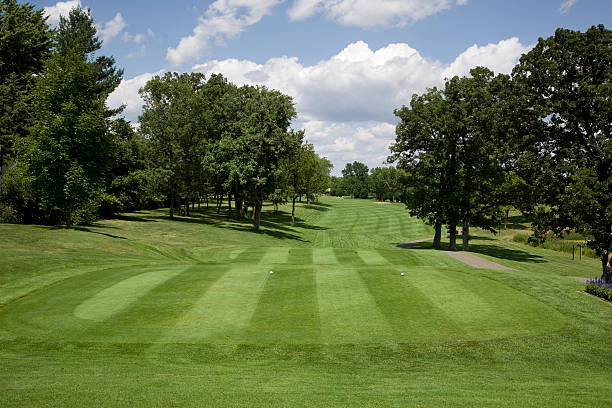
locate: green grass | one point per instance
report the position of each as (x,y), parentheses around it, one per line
(144,311)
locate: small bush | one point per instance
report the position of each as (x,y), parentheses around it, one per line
(599,288)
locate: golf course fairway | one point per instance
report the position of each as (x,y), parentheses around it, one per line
(144,311)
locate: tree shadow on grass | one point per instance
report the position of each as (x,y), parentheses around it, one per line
(84,229)
(506,253)
(275,233)
(485,249)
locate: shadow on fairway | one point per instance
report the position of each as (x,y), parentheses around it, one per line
(490,250)
(273,233)
(98,232)
(506,253)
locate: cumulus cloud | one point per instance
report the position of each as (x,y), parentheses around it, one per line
(112,28)
(61,8)
(566,5)
(127,94)
(346,103)
(359,84)
(223,19)
(367,13)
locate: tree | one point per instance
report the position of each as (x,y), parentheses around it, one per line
(454,147)
(356,179)
(70,118)
(25,43)
(427,151)
(176,119)
(564,124)
(263,140)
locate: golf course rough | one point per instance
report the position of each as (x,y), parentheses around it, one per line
(334,294)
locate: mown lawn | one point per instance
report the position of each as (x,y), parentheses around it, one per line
(144,311)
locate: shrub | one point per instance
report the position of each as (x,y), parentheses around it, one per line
(599,288)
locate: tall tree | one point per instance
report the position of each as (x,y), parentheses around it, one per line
(177,120)
(427,150)
(70,149)
(265,140)
(566,153)
(25,43)
(355,177)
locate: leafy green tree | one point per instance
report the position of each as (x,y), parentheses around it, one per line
(264,141)
(355,177)
(176,119)
(25,43)
(472,116)
(69,149)
(564,122)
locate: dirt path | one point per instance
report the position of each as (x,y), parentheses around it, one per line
(476,261)
(467,258)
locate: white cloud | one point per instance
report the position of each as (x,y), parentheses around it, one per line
(141,52)
(61,8)
(500,57)
(359,84)
(112,28)
(127,94)
(223,19)
(346,103)
(346,142)
(367,13)
(566,5)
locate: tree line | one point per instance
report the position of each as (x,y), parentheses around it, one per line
(65,157)
(537,140)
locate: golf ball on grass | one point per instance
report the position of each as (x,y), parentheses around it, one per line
(271,272)
(400,273)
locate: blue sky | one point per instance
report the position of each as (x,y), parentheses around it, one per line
(346,63)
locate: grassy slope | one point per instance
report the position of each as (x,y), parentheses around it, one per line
(141,311)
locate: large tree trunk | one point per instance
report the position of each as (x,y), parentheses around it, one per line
(452,238)
(308,200)
(219,203)
(229,204)
(466,234)
(238,206)
(293,210)
(171,205)
(257,209)
(437,235)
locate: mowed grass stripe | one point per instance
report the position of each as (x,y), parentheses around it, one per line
(485,308)
(348,257)
(275,255)
(324,256)
(149,319)
(372,257)
(250,255)
(223,309)
(49,312)
(287,311)
(411,314)
(120,295)
(348,313)
(300,256)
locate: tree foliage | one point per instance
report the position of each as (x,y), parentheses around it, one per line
(566,154)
